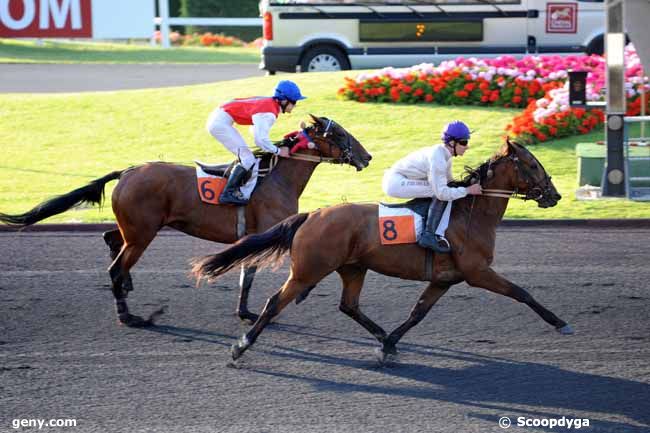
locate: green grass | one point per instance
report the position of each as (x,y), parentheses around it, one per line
(54,143)
(14,51)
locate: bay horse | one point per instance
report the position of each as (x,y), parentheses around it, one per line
(345,238)
(153,195)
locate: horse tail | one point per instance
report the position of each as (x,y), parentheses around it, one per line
(254,250)
(92,193)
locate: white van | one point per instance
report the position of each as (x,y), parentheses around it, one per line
(333,35)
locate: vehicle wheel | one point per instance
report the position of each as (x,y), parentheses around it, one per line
(324,58)
(596,46)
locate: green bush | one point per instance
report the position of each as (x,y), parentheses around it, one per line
(223,9)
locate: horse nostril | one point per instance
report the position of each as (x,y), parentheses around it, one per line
(558,196)
(369,157)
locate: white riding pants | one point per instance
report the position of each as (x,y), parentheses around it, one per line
(220,126)
(396,185)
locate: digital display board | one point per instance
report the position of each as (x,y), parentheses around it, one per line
(432,31)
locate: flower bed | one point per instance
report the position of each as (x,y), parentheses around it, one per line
(206,40)
(536,83)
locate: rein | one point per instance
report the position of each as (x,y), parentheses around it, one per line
(314,158)
(501,193)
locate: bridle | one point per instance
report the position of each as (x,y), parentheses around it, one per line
(346,147)
(486,171)
(533,190)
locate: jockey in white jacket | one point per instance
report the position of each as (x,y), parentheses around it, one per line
(426,173)
(261,113)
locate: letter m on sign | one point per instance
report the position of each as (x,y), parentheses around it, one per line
(46,18)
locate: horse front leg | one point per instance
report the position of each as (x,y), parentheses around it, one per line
(245,282)
(427,299)
(490,280)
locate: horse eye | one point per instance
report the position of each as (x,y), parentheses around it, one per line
(534,166)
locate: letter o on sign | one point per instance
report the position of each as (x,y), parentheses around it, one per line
(29,12)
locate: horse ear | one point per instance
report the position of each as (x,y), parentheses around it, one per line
(315,120)
(509,147)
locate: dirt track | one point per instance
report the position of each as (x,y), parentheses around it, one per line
(477,356)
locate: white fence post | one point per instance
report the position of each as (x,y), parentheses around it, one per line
(163,10)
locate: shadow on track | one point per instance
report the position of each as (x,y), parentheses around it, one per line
(495,384)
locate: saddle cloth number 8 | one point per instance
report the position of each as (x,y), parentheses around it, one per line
(397,229)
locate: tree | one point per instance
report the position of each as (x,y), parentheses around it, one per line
(223,9)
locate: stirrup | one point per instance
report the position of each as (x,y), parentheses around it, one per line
(231,198)
(434,242)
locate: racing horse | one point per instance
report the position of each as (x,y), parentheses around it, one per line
(346,239)
(153,195)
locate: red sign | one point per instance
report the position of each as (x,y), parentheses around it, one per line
(45,18)
(561,17)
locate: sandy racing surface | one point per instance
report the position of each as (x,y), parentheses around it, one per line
(475,358)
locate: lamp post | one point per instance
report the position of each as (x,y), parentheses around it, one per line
(614,176)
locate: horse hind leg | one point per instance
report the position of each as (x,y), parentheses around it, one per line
(122,282)
(274,305)
(114,240)
(245,282)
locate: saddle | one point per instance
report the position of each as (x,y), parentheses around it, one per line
(211,178)
(265,167)
(418,205)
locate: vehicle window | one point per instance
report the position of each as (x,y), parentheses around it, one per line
(409,2)
(448,31)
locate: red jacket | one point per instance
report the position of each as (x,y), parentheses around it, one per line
(243,109)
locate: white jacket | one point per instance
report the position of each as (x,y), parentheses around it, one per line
(434,165)
(262,123)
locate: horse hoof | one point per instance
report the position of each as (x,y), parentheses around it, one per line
(565,330)
(384,357)
(248,317)
(236,351)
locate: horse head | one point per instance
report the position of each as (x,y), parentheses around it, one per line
(516,168)
(333,141)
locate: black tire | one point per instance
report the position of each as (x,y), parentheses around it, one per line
(331,57)
(596,46)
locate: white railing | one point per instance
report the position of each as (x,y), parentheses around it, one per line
(164,21)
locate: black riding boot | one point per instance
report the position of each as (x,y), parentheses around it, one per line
(429,238)
(231,193)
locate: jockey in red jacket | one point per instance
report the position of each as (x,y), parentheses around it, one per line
(261,113)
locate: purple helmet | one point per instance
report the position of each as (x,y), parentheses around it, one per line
(455,130)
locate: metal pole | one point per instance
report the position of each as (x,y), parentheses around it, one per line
(643,112)
(163,10)
(614,176)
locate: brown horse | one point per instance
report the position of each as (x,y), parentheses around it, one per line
(346,239)
(154,195)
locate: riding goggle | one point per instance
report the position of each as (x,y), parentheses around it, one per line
(463,142)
